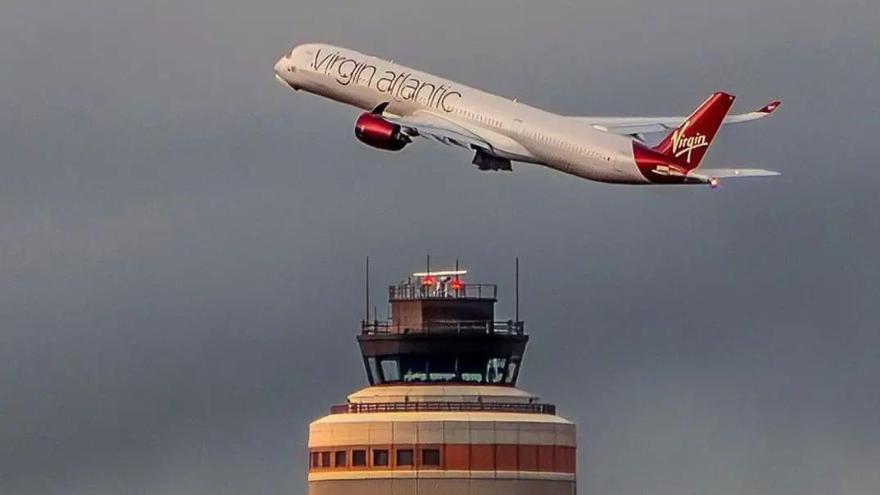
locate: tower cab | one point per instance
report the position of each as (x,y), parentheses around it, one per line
(442,331)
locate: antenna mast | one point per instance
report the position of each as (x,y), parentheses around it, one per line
(367,291)
(517,288)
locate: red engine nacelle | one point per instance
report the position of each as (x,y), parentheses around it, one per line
(377,132)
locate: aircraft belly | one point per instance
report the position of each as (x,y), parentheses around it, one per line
(625,165)
(616,170)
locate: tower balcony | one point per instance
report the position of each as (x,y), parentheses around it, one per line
(444,327)
(442,289)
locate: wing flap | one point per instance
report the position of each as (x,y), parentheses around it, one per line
(442,130)
(462,134)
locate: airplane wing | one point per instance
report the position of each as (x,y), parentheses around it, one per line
(432,126)
(637,126)
(492,150)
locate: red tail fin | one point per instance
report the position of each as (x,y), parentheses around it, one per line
(687,144)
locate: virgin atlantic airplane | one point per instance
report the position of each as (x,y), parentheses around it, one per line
(403,104)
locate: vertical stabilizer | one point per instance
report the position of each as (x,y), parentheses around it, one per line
(686,145)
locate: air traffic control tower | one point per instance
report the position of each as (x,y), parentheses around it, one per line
(442,414)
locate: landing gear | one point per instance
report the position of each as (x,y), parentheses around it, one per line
(484,161)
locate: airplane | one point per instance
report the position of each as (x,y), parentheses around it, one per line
(402,104)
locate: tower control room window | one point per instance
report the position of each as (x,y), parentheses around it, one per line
(325,459)
(373,370)
(495,370)
(315,460)
(341,458)
(358,458)
(471,370)
(443,368)
(414,367)
(511,372)
(390,369)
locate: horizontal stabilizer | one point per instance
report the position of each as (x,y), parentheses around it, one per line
(632,126)
(723,173)
(712,176)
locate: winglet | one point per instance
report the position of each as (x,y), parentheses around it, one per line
(770,107)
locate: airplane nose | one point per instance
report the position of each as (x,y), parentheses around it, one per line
(281,65)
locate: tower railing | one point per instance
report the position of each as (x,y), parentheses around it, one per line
(483,327)
(442,290)
(388,407)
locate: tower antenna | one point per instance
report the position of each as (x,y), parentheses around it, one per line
(517,288)
(367,291)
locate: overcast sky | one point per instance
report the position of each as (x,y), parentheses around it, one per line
(182,240)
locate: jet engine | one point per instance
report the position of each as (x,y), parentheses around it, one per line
(377,132)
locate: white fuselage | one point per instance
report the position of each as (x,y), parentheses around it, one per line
(519,132)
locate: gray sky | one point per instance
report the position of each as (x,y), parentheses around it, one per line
(181,240)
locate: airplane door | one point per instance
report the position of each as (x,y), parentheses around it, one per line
(517,126)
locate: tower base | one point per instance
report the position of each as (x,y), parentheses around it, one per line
(432,439)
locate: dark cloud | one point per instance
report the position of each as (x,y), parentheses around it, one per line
(182,240)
